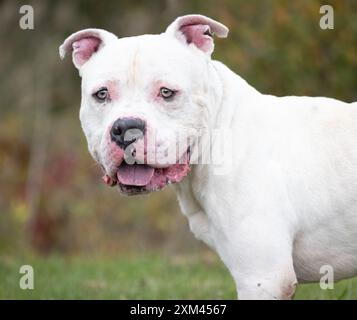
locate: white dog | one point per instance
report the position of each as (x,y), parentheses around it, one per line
(286,205)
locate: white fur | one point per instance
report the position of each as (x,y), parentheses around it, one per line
(288,204)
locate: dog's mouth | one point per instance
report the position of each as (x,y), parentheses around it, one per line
(137,178)
(142,178)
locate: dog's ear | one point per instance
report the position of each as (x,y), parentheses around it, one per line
(199,30)
(83,44)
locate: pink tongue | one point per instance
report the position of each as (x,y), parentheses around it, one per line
(135,175)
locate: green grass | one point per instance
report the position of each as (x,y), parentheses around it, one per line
(136,277)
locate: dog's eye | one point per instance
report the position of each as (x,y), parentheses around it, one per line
(166,93)
(101,95)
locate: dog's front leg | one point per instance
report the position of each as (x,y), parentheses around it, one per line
(258,253)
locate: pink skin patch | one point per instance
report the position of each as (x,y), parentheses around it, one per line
(155,92)
(112,158)
(109,181)
(83,49)
(196,34)
(113,89)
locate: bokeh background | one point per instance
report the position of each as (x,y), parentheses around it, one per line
(83,239)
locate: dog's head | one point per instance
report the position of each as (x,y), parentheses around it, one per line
(140,98)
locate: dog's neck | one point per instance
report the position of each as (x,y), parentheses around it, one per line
(229,92)
(233,90)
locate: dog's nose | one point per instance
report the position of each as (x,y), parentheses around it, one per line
(127,130)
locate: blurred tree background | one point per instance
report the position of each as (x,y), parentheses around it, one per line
(51,196)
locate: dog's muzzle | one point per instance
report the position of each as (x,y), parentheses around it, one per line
(139,177)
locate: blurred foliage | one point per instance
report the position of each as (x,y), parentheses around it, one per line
(51,197)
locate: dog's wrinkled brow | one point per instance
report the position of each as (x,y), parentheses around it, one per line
(133,69)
